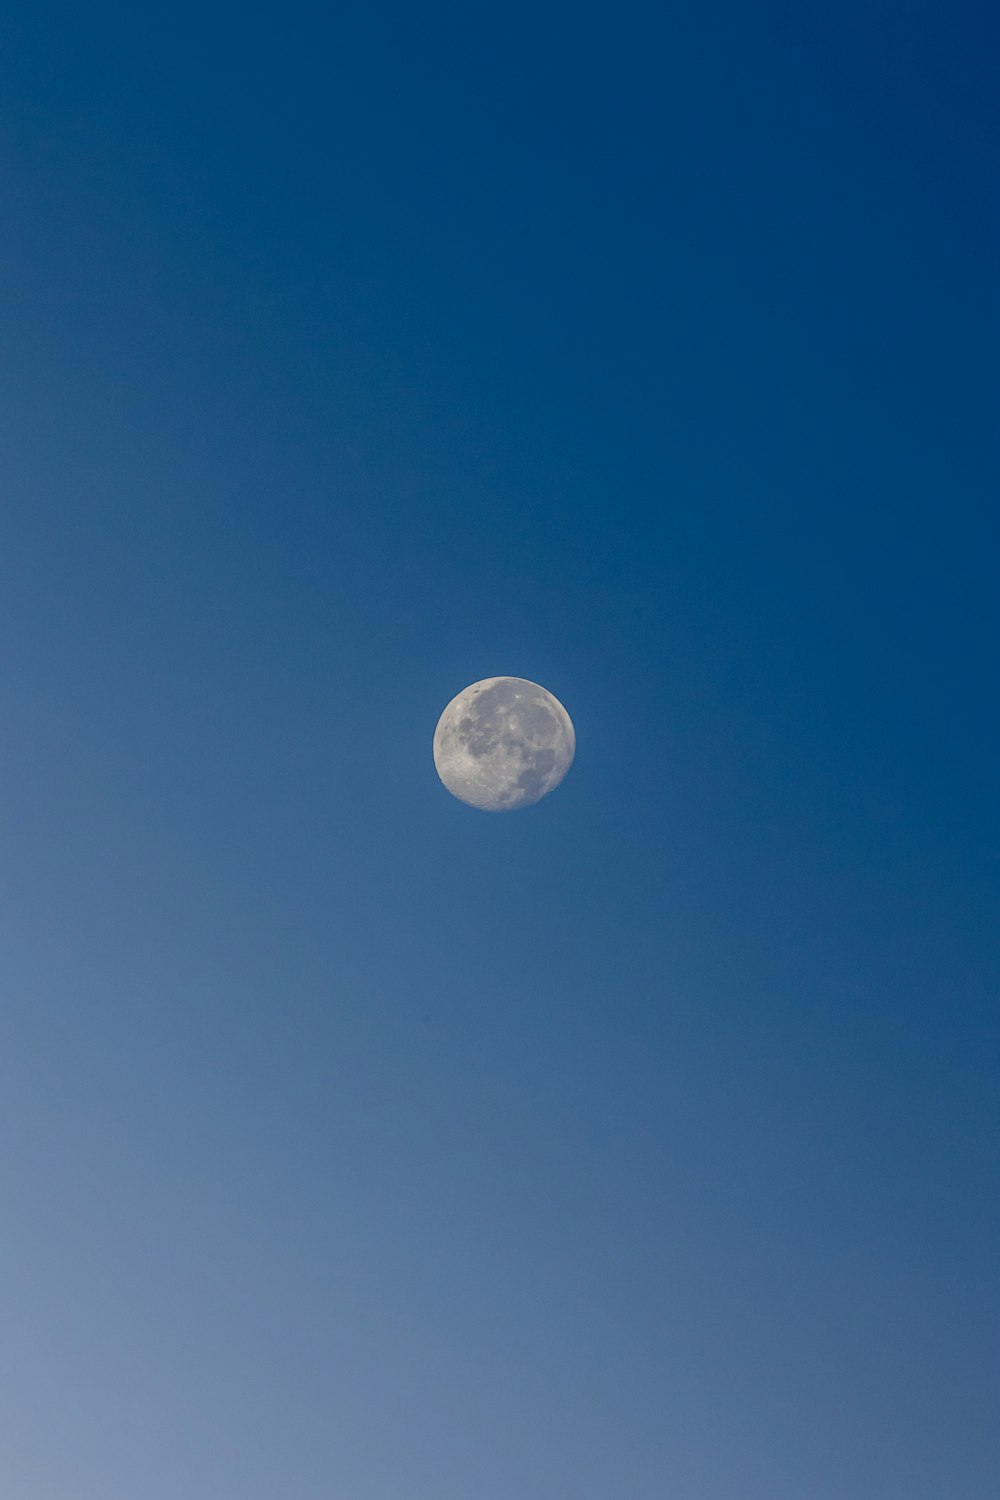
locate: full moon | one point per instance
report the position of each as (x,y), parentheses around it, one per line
(503,743)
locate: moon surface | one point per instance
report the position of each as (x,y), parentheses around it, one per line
(503,743)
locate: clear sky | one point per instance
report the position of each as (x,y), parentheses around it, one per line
(358,1145)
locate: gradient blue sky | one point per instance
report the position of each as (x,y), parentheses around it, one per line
(639,1146)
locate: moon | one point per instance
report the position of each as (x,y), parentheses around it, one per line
(503,743)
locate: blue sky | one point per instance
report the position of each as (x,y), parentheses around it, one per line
(360,1145)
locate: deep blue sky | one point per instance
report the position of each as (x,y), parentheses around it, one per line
(355,1144)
